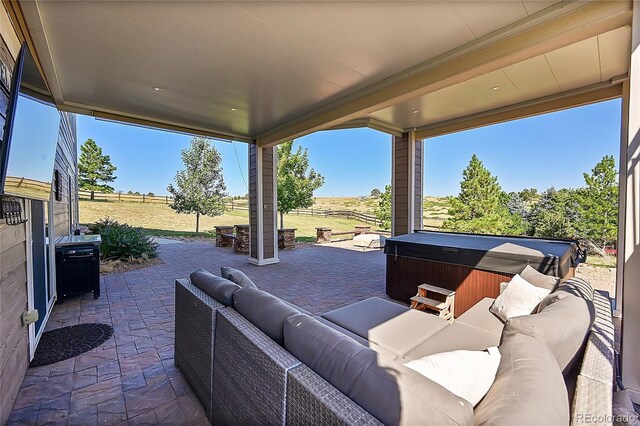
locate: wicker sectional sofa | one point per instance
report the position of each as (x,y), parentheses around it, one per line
(254,359)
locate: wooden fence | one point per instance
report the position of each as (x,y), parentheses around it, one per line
(230,205)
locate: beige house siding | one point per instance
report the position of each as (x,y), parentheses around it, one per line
(65,211)
(14,337)
(417,189)
(253,200)
(407,184)
(401,184)
(268,186)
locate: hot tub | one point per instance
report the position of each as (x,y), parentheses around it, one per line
(473,265)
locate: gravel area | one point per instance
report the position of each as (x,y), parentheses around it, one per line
(601,278)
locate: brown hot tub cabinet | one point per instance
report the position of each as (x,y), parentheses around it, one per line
(472,265)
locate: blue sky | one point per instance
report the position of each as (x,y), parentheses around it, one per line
(543,151)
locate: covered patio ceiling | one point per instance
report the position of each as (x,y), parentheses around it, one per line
(270,71)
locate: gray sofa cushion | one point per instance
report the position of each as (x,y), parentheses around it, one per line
(577,287)
(538,278)
(265,311)
(237,276)
(388,390)
(457,336)
(219,288)
(387,324)
(362,316)
(529,388)
(563,326)
(363,342)
(481,317)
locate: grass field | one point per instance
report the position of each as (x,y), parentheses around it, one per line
(160,220)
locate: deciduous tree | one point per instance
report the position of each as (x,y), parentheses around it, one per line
(200,187)
(296,182)
(95,170)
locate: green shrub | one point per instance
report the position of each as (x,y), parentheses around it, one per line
(121,241)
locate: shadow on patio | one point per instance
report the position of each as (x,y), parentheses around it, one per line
(131,378)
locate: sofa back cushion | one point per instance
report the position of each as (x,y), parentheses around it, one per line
(577,287)
(538,278)
(529,388)
(391,392)
(563,326)
(217,287)
(237,276)
(264,310)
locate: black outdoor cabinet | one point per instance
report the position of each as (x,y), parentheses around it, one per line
(77,271)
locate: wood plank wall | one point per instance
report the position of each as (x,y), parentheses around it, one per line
(418,207)
(401,184)
(266,206)
(268,193)
(402,156)
(253,200)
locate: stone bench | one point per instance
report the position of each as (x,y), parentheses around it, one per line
(324,234)
(287,238)
(224,236)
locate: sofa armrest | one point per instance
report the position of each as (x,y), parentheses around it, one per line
(312,400)
(594,388)
(194,338)
(250,371)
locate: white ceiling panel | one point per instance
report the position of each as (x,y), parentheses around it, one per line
(483,17)
(245,67)
(537,5)
(576,65)
(533,77)
(614,49)
(497,88)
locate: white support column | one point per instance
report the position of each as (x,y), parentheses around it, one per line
(630,226)
(263,230)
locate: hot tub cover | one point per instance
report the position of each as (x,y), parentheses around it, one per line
(488,252)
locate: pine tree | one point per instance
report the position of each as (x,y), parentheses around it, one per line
(383,212)
(295,184)
(480,207)
(598,203)
(200,187)
(555,214)
(95,169)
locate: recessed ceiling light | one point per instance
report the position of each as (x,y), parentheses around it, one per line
(415,111)
(494,88)
(156,88)
(234,109)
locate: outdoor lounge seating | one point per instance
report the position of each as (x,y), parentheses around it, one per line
(262,360)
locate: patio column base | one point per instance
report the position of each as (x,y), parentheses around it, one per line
(264,262)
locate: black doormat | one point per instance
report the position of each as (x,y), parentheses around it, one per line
(67,342)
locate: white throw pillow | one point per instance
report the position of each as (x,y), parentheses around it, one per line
(519,298)
(467,374)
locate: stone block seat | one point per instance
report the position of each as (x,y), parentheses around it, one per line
(253,358)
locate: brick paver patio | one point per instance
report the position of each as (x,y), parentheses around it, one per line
(131,378)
